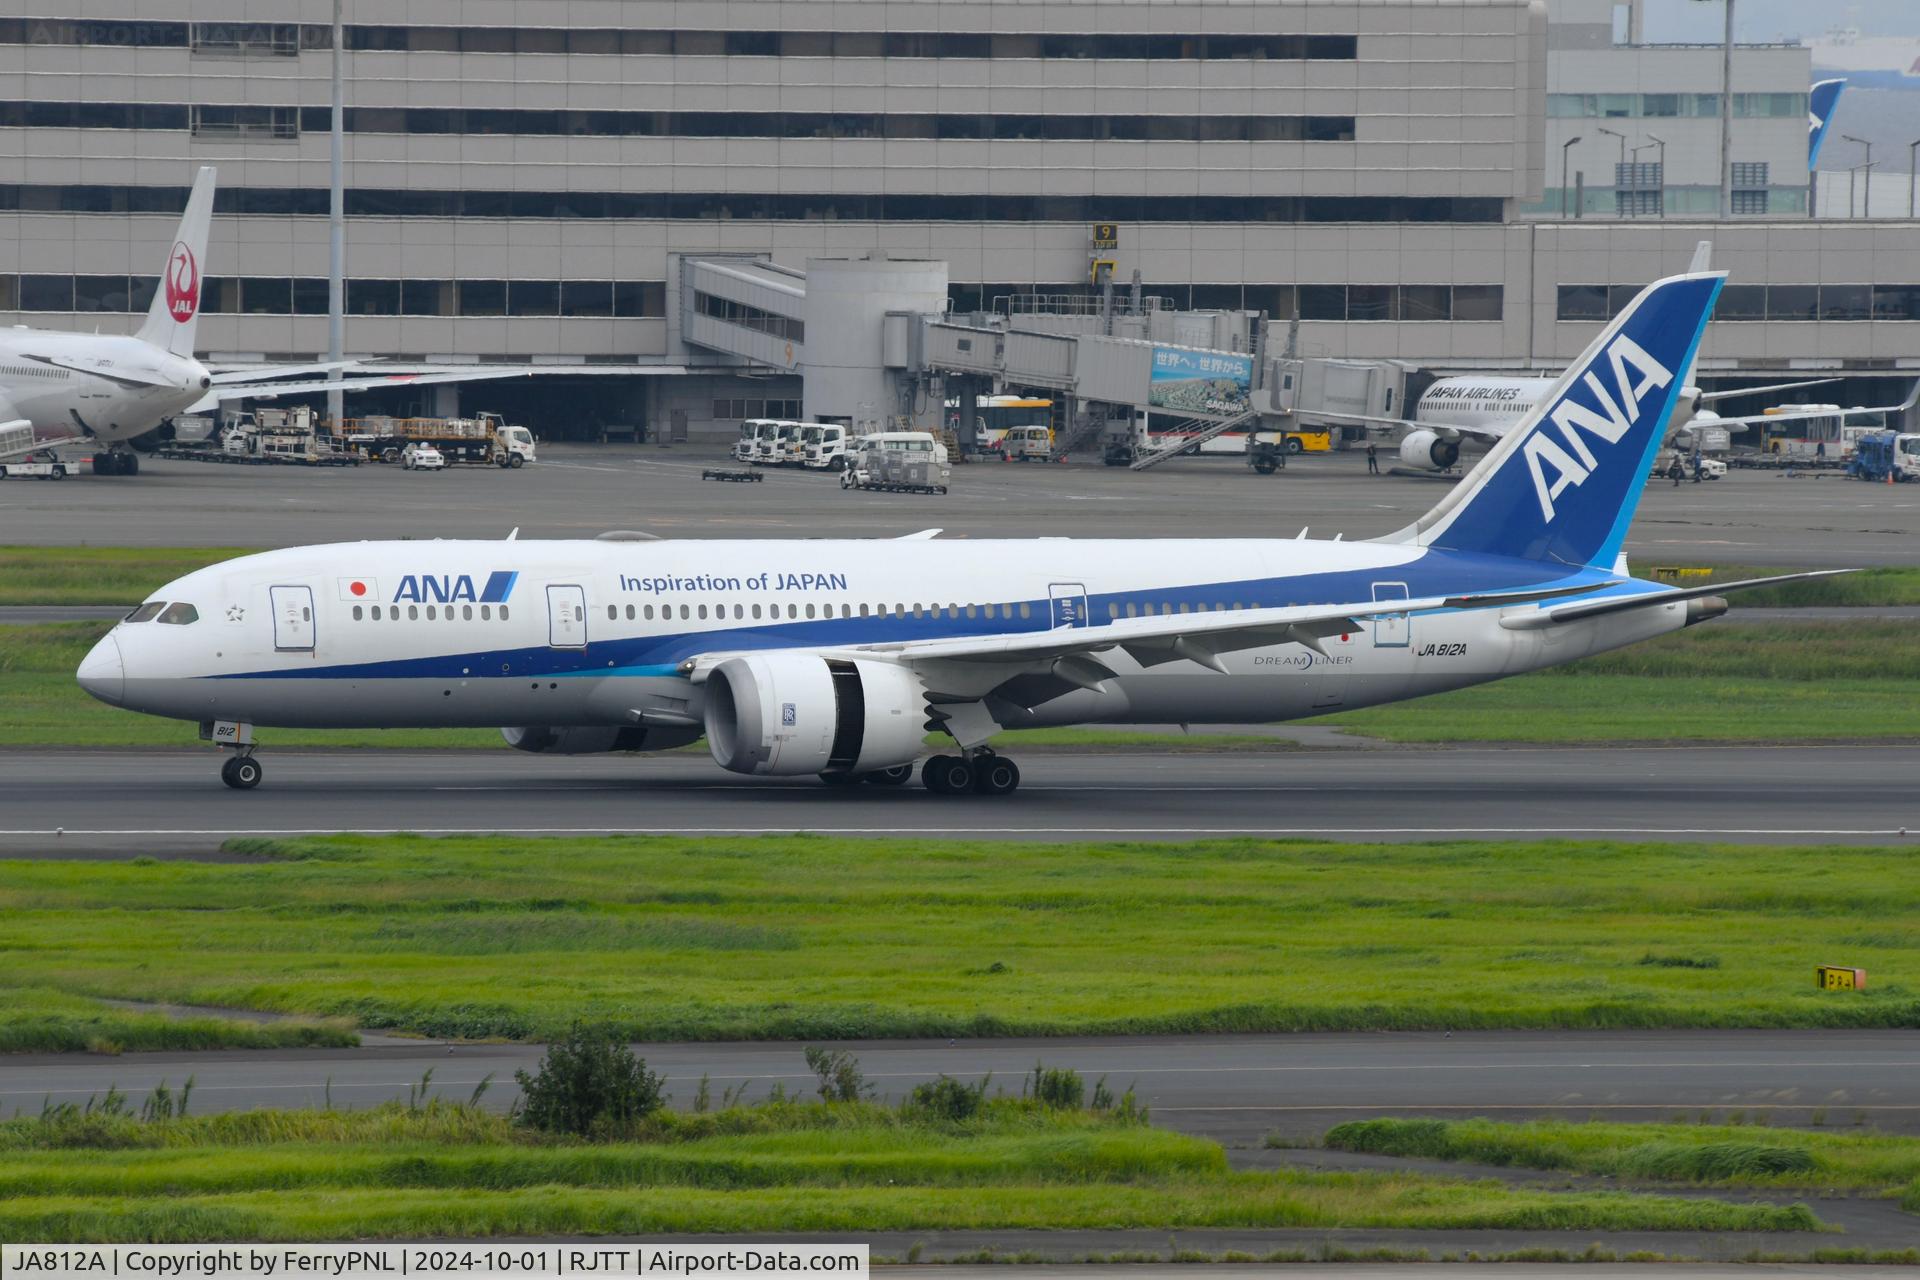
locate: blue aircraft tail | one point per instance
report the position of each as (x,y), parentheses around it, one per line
(1563,484)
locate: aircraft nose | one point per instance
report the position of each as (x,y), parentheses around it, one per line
(102,673)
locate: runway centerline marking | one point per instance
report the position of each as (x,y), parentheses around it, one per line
(807,829)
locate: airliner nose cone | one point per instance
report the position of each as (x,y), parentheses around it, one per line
(102,673)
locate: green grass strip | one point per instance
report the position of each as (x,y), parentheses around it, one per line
(810,937)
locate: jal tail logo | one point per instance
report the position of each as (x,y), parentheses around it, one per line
(183,283)
(1570,458)
(445,588)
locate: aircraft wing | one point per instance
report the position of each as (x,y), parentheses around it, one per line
(1486,434)
(425,377)
(263,373)
(1068,652)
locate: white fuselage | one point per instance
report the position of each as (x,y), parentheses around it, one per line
(1480,403)
(595,633)
(110,387)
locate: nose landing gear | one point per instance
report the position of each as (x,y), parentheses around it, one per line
(242,773)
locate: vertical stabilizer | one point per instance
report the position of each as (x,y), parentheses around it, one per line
(1564,483)
(175,312)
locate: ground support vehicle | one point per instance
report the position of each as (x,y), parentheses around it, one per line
(1886,456)
(824,447)
(891,471)
(484,440)
(1710,468)
(738,477)
(1027,444)
(42,465)
(420,456)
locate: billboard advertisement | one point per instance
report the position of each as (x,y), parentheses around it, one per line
(1188,381)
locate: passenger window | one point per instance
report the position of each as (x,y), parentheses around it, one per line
(486,613)
(356,613)
(179,615)
(703,613)
(1026,610)
(863,610)
(376,613)
(1131,613)
(503,613)
(685,613)
(809,610)
(466,612)
(146,612)
(613,613)
(739,612)
(1113,611)
(846,610)
(413,612)
(793,611)
(646,611)
(431,615)
(756,613)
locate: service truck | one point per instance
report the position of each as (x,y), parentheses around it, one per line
(824,447)
(484,440)
(1886,455)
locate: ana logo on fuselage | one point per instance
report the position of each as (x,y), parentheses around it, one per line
(444,588)
(1610,423)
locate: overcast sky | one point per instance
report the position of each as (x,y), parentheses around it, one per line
(1701,20)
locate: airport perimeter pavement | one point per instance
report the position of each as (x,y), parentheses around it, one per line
(1751,517)
(1235,1089)
(109,803)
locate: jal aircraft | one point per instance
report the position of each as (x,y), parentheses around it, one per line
(58,387)
(836,658)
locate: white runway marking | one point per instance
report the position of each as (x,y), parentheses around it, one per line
(924,831)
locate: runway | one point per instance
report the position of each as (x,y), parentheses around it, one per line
(1233,1088)
(76,804)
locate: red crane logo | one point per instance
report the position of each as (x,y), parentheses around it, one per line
(183,283)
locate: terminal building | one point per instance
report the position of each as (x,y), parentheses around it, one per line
(608,185)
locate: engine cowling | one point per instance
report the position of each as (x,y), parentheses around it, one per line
(794,713)
(1428,451)
(586,740)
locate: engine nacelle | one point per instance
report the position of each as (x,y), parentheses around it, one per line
(1428,451)
(586,740)
(794,713)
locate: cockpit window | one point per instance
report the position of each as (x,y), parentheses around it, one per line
(179,615)
(146,612)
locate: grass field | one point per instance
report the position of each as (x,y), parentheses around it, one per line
(1778,682)
(1714,1155)
(810,937)
(451,1170)
(45,1020)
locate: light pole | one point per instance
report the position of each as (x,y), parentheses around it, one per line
(1913,178)
(1620,169)
(336,232)
(1866,208)
(1726,114)
(1662,144)
(1636,176)
(1567,147)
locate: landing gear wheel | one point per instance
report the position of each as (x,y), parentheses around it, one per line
(947,775)
(242,773)
(1265,466)
(894,777)
(103,464)
(129,464)
(995,776)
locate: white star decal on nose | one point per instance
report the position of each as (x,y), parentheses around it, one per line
(236,613)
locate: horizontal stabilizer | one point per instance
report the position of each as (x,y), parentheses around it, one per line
(1625,604)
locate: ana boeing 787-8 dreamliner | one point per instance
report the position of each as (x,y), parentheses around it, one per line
(836,658)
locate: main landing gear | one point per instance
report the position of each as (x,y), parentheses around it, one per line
(242,773)
(116,462)
(981,772)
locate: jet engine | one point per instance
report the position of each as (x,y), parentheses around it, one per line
(585,740)
(1427,451)
(794,713)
